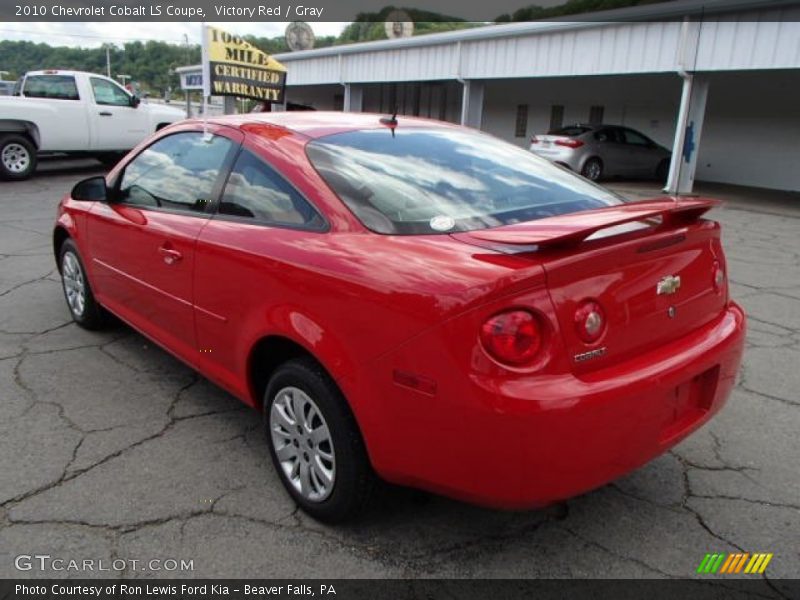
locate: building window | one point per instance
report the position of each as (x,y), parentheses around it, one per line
(521,127)
(556,117)
(595,115)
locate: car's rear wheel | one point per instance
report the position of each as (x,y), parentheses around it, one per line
(593,169)
(315,443)
(82,305)
(17,157)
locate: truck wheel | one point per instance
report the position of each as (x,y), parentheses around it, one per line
(17,157)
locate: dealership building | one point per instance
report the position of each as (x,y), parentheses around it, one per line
(717,82)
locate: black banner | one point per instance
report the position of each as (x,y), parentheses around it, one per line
(420,589)
(350,10)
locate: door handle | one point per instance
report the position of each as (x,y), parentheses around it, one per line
(170,256)
(105,113)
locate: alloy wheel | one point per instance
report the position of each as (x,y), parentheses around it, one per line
(593,170)
(74,283)
(302,443)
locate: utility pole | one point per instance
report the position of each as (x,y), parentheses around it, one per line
(188,93)
(108,62)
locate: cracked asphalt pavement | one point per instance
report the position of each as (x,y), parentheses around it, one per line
(110,448)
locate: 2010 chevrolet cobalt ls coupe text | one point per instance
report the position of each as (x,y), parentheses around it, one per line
(411,299)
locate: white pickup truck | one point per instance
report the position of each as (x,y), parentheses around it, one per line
(75,113)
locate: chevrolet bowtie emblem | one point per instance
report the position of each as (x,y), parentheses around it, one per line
(668,285)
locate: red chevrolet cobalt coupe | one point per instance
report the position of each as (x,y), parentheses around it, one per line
(411,299)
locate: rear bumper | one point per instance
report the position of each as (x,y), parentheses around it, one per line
(560,154)
(531,441)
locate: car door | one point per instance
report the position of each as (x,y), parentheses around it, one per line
(612,152)
(244,261)
(143,240)
(118,124)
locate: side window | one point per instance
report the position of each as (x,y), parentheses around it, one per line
(108,93)
(255,191)
(607,135)
(176,172)
(58,87)
(636,139)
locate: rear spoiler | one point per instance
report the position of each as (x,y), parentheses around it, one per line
(573,228)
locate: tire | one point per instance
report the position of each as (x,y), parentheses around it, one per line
(662,170)
(301,398)
(81,303)
(17,157)
(593,169)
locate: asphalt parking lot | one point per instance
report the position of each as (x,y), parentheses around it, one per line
(111,449)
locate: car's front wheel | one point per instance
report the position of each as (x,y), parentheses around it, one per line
(315,443)
(82,305)
(17,157)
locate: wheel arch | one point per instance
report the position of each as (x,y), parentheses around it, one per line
(27,128)
(270,352)
(589,157)
(60,235)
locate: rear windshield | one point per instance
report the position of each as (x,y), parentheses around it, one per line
(571,131)
(420,181)
(58,87)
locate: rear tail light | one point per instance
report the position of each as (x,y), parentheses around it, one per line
(513,337)
(590,321)
(534,139)
(569,143)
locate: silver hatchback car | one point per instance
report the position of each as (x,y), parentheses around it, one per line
(597,151)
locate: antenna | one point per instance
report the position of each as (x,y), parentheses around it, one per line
(390,122)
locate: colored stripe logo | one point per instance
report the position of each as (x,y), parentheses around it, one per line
(743,562)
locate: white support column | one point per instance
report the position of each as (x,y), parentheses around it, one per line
(687,135)
(353,97)
(472,103)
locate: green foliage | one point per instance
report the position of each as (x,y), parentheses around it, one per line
(571,7)
(150,63)
(368,27)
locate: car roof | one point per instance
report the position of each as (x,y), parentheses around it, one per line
(59,72)
(314,124)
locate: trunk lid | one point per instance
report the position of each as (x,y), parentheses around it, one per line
(632,276)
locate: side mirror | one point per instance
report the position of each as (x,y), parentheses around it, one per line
(135,101)
(90,190)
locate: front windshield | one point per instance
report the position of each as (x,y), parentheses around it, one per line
(439,180)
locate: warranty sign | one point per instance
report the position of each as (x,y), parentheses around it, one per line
(234,67)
